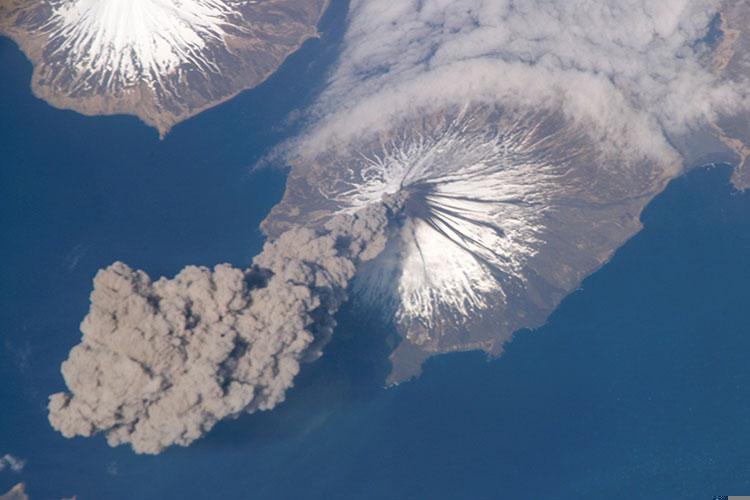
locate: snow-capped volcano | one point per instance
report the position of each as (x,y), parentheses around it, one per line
(472,219)
(507,211)
(162,60)
(116,43)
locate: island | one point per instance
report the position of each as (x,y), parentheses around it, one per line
(510,206)
(160,61)
(508,210)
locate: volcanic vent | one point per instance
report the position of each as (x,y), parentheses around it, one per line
(508,210)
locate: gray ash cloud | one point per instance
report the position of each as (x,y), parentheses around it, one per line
(161,362)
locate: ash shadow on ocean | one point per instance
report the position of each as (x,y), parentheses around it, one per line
(352,371)
(598,364)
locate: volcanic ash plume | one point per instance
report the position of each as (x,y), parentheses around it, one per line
(161,362)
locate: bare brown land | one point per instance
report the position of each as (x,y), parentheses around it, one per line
(17,493)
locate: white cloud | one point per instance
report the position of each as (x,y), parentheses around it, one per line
(11,463)
(633,69)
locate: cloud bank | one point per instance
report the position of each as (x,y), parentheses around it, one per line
(161,362)
(633,70)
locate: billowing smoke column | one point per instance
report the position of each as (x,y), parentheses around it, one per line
(516,144)
(161,362)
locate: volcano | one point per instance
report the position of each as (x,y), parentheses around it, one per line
(163,61)
(507,211)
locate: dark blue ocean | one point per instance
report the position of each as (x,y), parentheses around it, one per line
(638,387)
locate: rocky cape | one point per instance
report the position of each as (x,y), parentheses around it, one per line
(18,492)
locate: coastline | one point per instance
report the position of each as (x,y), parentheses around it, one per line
(138,100)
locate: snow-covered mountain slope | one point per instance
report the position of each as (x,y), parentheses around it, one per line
(163,60)
(508,210)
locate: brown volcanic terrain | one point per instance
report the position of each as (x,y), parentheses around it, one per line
(732,59)
(509,211)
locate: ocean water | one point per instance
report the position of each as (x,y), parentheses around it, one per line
(638,386)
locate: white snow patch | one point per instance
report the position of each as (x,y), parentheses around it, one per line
(124,42)
(474,215)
